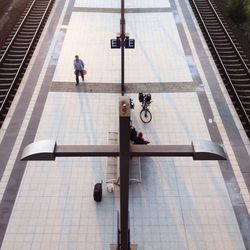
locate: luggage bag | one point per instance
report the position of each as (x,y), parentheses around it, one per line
(98,192)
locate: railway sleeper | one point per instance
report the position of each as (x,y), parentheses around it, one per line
(234,70)
(244,93)
(9,78)
(210,16)
(13,54)
(35,16)
(11,65)
(25,33)
(22,42)
(231,66)
(231,50)
(2,51)
(17,52)
(31,25)
(246,104)
(37,12)
(241,85)
(13,60)
(206,13)
(202,4)
(241,81)
(230,57)
(220,37)
(8,74)
(28,29)
(5,85)
(231,61)
(216,29)
(6,79)
(230,72)
(238,75)
(221,41)
(226,52)
(224,45)
(4,47)
(8,69)
(25,38)
(4,90)
(204,8)
(33,20)
(7,41)
(212,26)
(18,47)
(13,32)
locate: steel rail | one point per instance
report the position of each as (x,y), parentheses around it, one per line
(229,37)
(21,66)
(240,106)
(17,32)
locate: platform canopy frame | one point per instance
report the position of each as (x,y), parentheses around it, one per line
(48,150)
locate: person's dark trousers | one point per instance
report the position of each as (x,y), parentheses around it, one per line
(81,73)
(77,72)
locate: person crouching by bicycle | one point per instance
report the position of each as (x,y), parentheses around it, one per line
(79,67)
(140,140)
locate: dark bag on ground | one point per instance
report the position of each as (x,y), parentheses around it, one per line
(98,191)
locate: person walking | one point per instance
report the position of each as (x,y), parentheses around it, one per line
(79,67)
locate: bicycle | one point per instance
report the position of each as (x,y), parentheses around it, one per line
(145,113)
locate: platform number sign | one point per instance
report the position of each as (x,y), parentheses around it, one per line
(130,43)
(115,43)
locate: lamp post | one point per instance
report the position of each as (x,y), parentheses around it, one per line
(122,37)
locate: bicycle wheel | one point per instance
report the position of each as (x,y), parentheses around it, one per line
(146,115)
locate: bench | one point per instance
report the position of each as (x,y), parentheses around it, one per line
(113,166)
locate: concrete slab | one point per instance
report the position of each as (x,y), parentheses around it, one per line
(157,57)
(117,4)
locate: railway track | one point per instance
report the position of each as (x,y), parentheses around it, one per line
(18,49)
(229,57)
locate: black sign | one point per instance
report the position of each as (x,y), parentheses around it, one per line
(129,43)
(115,43)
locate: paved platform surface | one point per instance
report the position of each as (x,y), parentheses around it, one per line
(181,203)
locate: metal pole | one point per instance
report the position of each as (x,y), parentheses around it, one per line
(122,34)
(124,168)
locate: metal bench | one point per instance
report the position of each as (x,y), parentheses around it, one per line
(113,166)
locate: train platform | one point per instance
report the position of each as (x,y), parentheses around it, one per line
(179,203)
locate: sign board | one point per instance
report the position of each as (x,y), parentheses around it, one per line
(129,43)
(115,43)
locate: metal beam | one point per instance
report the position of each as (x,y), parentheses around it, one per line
(87,150)
(122,36)
(207,150)
(162,150)
(43,150)
(124,120)
(199,150)
(48,150)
